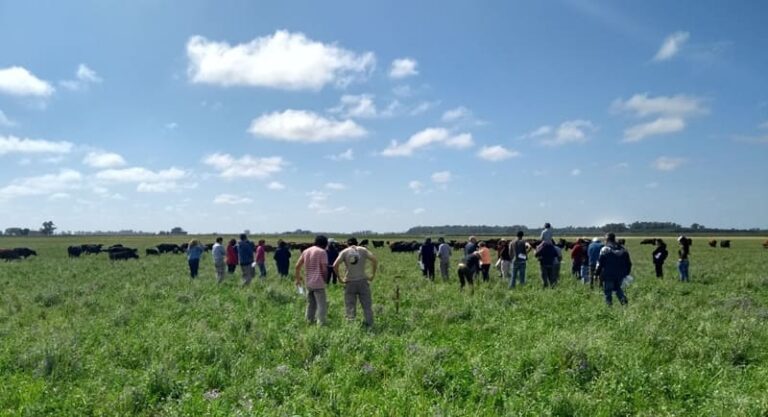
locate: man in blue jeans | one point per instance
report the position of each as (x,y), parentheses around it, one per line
(245,250)
(518,250)
(612,266)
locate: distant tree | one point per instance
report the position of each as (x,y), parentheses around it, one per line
(615,227)
(25,232)
(48,228)
(178,231)
(697,226)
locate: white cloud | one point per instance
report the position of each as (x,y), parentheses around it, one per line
(570,131)
(347,155)
(670,106)
(441,177)
(231,199)
(18,81)
(163,186)
(335,186)
(496,153)
(59,196)
(426,138)
(283,60)
(85,76)
(276,186)
(363,106)
(12,144)
(141,175)
(671,46)
(419,210)
(423,107)
(103,160)
(456,114)
(5,121)
(667,163)
(304,126)
(318,202)
(245,166)
(660,126)
(416,186)
(575,172)
(403,67)
(66,179)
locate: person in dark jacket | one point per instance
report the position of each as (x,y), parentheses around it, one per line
(659,256)
(547,255)
(231,256)
(683,253)
(468,268)
(427,256)
(282,258)
(613,266)
(333,252)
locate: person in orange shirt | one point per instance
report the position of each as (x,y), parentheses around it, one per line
(485,260)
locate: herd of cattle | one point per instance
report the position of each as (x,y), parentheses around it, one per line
(120,252)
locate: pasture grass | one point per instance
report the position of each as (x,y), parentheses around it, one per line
(87,336)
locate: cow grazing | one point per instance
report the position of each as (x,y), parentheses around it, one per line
(725,243)
(152,251)
(648,241)
(89,248)
(121,249)
(169,247)
(712,243)
(402,246)
(74,251)
(378,243)
(9,255)
(25,252)
(123,255)
(208,247)
(364,242)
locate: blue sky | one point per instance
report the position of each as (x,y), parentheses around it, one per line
(346,116)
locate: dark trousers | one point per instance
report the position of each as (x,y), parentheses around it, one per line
(231,268)
(576,269)
(331,276)
(429,269)
(659,269)
(194,266)
(548,275)
(466,275)
(485,268)
(609,287)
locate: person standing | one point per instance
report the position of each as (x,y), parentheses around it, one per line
(593,254)
(613,266)
(558,261)
(282,258)
(261,259)
(518,250)
(219,255)
(485,261)
(577,258)
(659,255)
(505,260)
(245,250)
(444,254)
(231,256)
(356,282)
(333,253)
(194,252)
(584,244)
(467,270)
(683,253)
(546,234)
(315,261)
(427,255)
(470,248)
(547,254)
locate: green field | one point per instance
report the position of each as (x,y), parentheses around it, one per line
(82,337)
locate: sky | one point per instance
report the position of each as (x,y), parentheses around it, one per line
(346,116)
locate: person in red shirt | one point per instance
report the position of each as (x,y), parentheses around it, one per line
(261,259)
(578,256)
(231,256)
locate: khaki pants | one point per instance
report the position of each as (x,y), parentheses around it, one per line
(358,290)
(317,305)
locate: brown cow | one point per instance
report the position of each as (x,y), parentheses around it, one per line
(712,243)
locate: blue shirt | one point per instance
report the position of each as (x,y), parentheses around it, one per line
(593,252)
(195,252)
(245,249)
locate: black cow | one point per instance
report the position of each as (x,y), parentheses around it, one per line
(364,242)
(725,243)
(378,243)
(74,251)
(25,252)
(169,247)
(621,242)
(89,248)
(9,255)
(122,249)
(401,246)
(152,251)
(648,242)
(208,247)
(123,255)
(115,246)
(712,243)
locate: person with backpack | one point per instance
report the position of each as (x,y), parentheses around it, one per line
(659,255)
(613,266)
(519,252)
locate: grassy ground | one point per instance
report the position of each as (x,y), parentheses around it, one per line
(86,336)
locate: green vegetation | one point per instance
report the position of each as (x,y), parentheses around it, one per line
(86,336)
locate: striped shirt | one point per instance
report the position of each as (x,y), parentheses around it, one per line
(316,267)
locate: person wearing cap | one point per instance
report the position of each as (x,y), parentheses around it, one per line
(683,253)
(613,266)
(444,254)
(315,261)
(593,253)
(356,282)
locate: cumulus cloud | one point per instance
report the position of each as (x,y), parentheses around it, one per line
(18,81)
(496,153)
(335,186)
(231,199)
(423,107)
(65,179)
(660,126)
(347,155)
(456,114)
(276,186)
(403,67)
(283,60)
(103,160)
(245,166)
(140,174)
(570,131)
(668,163)
(671,46)
(84,77)
(363,106)
(304,126)
(416,186)
(5,121)
(441,177)
(426,138)
(670,114)
(163,186)
(13,144)
(318,202)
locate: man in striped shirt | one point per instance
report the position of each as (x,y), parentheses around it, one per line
(315,262)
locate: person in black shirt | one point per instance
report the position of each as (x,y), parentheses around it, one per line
(683,253)
(547,255)
(659,256)
(427,255)
(333,252)
(613,266)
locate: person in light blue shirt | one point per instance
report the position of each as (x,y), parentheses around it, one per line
(219,255)
(593,253)
(194,252)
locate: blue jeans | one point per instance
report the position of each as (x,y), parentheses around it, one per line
(518,268)
(262,269)
(585,273)
(194,265)
(682,267)
(609,287)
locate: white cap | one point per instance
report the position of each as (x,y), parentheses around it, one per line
(595,239)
